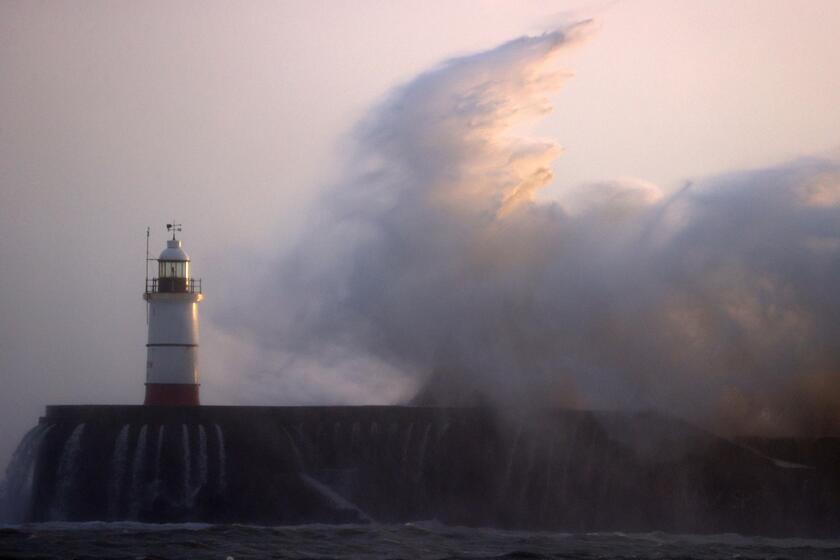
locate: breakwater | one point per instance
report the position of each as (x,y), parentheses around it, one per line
(552,469)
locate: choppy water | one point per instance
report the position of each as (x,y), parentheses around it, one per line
(411,541)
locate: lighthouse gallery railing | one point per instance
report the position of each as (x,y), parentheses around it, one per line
(173,285)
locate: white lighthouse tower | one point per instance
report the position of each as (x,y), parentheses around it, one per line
(172,349)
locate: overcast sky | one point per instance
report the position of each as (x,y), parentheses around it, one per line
(230,117)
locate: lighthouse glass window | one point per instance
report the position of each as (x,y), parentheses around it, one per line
(173,269)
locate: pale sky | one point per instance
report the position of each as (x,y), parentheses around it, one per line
(229,117)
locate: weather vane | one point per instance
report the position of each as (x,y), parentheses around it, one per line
(173,227)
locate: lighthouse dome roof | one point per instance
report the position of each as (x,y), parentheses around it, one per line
(174,252)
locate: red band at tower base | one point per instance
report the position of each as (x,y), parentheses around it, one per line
(171,394)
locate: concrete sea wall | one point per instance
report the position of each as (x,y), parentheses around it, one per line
(553,469)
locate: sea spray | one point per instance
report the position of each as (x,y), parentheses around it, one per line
(338,501)
(433,252)
(118,471)
(34,463)
(222,481)
(68,471)
(185,458)
(10,503)
(138,471)
(201,463)
(202,456)
(157,484)
(16,489)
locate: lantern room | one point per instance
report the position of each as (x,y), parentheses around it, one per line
(174,271)
(173,268)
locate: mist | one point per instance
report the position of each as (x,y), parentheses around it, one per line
(435,265)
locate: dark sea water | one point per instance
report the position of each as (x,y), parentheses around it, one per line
(413,540)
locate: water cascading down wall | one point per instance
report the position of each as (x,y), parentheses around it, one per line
(569,470)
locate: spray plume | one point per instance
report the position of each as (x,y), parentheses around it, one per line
(433,265)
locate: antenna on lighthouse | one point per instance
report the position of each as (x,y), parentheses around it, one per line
(146,287)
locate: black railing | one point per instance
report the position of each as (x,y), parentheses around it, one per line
(173,285)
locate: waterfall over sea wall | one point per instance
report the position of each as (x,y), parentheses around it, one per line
(220,442)
(16,488)
(186,464)
(67,489)
(119,460)
(138,475)
(553,469)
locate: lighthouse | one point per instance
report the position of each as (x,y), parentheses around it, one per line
(172,348)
